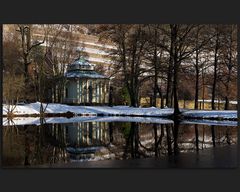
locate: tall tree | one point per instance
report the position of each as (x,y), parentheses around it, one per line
(201,55)
(216,49)
(27,44)
(181,41)
(131,42)
(228,66)
(156,57)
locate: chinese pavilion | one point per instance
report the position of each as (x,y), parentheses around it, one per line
(84,85)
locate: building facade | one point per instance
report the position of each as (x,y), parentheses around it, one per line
(85,86)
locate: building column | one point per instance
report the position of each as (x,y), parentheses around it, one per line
(108,92)
(97,91)
(105,92)
(87,83)
(83,92)
(94,90)
(100,92)
(78,91)
(84,96)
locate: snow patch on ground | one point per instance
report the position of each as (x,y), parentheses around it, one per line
(210,122)
(33,108)
(227,114)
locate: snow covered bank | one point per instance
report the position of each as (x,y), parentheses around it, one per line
(53,108)
(33,109)
(214,114)
(210,122)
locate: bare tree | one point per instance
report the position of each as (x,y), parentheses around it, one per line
(61,50)
(201,55)
(27,44)
(228,65)
(130,41)
(156,56)
(181,40)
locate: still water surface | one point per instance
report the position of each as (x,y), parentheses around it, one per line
(107,141)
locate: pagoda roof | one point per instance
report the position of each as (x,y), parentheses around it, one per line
(84,74)
(81,68)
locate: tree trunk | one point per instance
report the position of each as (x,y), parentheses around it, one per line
(226,103)
(203,89)
(215,72)
(155,90)
(196,82)
(169,77)
(133,99)
(229,65)
(176,65)
(175,90)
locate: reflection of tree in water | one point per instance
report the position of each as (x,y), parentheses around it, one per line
(132,139)
(46,144)
(30,145)
(159,140)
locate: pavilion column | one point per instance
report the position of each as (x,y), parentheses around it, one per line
(105,92)
(78,91)
(94,91)
(56,93)
(100,92)
(90,91)
(87,84)
(83,91)
(108,92)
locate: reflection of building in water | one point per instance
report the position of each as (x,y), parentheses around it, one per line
(135,140)
(31,144)
(84,140)
(87,134)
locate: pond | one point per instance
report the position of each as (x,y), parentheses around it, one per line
(118,142)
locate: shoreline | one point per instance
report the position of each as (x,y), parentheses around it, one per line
(71,115)
(68,111)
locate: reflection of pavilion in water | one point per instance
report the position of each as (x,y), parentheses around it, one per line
(31,144)
(136,140)
(84,140)
(87,134)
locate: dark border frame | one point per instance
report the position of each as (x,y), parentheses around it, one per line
(172,11)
